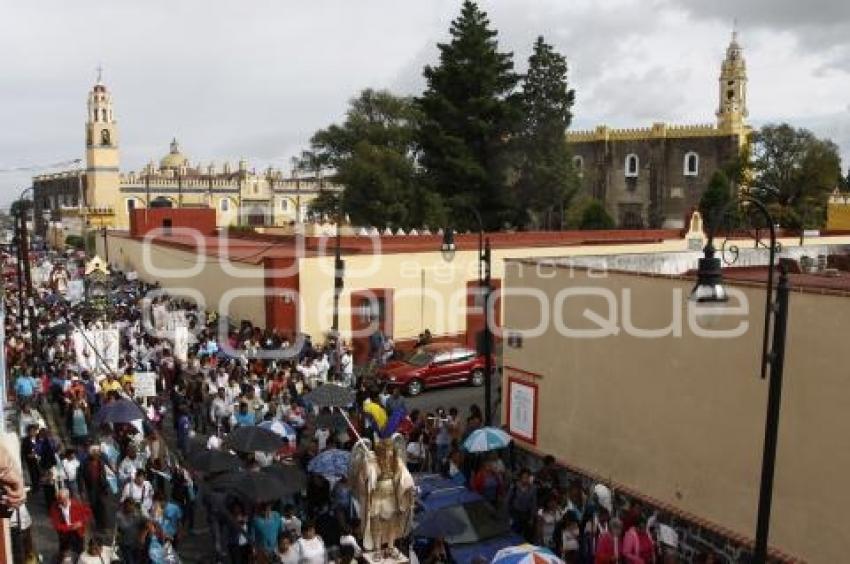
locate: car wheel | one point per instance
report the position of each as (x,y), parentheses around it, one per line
(477,377)
(414,387)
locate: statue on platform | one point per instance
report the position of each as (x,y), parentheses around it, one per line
(384,490)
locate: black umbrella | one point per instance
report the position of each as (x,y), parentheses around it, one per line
(291,476)
(256,487)
(333,421)
(330,395)
(251,439)
(59,329)
(119,411)
(214,461)
(440,523)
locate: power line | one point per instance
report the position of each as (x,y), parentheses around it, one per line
(31,168)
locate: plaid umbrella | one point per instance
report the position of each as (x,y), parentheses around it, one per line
(330,395)
(332,462)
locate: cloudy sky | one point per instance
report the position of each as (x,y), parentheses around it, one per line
(255,78)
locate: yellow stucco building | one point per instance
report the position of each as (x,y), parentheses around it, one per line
(100,195)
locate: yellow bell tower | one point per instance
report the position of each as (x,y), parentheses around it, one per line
(733,89)
(102,174)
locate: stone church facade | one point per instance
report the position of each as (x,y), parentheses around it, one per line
(655,176)
(99,195)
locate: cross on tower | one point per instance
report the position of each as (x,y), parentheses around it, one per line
(99,74)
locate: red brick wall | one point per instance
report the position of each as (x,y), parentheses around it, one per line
(142,221)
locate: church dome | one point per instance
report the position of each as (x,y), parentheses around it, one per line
(174,159)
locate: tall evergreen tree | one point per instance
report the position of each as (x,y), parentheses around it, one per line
(546,178)
(469,115)
(714,202)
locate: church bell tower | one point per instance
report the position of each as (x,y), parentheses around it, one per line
(733,89)
(102,174)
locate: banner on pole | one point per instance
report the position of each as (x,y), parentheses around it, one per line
(144,384)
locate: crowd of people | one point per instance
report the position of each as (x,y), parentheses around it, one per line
(129,491)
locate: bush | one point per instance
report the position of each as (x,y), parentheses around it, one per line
(595,216)
(75,242)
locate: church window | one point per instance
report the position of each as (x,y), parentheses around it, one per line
(224,205)
(284,205)
(691,164)
(105,138)
(103,114)
(578,164)
(632,165)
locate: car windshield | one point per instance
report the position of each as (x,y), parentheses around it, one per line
(482,521)
(419,358)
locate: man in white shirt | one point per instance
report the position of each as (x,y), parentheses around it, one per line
(29,416)
(140,491)
(220,409)
(321,437)
(346,365)
(130,466)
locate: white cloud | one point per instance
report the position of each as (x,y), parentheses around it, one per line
(232,78)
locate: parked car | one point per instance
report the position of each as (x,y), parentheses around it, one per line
(487,529)
(431,366)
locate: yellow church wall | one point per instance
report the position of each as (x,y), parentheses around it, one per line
(838,216)
(428,291)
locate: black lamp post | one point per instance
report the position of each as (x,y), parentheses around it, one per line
(339,272)
(709,289)
(447,249)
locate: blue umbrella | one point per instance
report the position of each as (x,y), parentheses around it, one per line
(119,411)
(332,462)
(486,439)
(280,429)
(439,524)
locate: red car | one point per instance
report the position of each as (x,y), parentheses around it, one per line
(434,365)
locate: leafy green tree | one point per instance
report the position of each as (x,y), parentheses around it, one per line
(326,203)
(794,172)
(546,178)
(469,115)
(715,200)
(372,155)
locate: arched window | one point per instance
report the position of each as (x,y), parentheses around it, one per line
(284,205)
(691,164)
(578,164)
(103,114)
(632,165)
(105,138)
(224,205)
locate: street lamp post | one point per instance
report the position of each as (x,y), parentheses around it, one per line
(709,289)
(447,249)
(339,272)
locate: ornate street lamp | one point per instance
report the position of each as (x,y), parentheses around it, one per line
(447,250)
(709,290)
